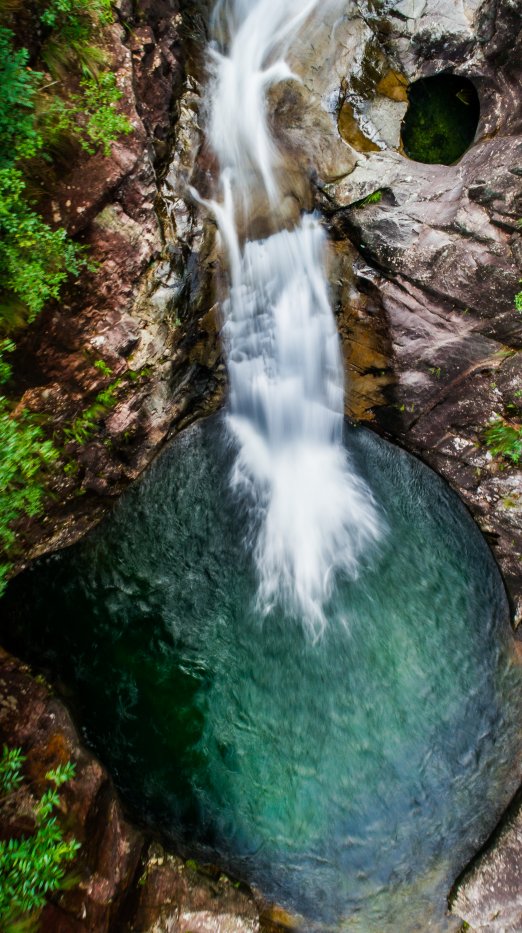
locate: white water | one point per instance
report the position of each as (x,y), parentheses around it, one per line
(313,516)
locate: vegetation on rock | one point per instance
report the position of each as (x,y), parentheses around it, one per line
(441,119)
(31,865)
(504,439)
(62,94)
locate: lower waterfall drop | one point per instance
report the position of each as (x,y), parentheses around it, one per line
(312,516)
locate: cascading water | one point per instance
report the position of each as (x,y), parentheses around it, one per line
(312,515)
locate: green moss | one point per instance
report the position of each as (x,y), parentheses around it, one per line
(504,439)
(441,119)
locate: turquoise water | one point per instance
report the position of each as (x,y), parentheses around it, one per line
(349,779)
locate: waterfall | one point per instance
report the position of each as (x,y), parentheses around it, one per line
(312,516)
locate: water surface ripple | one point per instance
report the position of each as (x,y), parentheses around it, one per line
(350,778)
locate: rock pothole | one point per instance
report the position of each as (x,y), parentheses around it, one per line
(441,120)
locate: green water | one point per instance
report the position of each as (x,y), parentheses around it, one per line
(349,779)
(441,120)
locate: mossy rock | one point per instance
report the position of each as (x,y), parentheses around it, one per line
(441,120)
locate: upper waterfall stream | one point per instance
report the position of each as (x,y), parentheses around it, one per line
(311,515)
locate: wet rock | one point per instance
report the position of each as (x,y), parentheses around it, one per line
(489,896)
(429,329)
(180,897)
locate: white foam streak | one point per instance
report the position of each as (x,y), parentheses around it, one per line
(238,125)
(313,516)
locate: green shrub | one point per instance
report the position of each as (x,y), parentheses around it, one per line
(71,26)
(31,866)
(91,117)
(75,18)
(504,439)
(25,453)
(34,259)
(19,138)
(374,198)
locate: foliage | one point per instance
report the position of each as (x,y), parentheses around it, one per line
(19,138)
(84,426)
(31,867)
(103,367)
(71,25)
(91,116)
(374,198)
(24,455)
(518,302)
(34,259)
(504,439)
(76,17)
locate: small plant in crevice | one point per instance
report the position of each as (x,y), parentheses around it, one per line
(32,866)
(102,367)
(25,455)
(503,438)
(375,197)
(84,426)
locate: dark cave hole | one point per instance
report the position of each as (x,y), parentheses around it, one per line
(441,120)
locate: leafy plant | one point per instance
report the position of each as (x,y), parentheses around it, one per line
(103,367)
(504,439)
(25,453)
(84,426)
(31,866)
(374,198)
(71,26)
(19,137)
(91,117)
(76,17)
(34,260)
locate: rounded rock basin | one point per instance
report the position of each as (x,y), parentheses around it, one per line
(350,779)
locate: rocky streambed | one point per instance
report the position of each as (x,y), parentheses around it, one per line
(424,275)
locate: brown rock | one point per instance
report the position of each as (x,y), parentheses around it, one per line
(30,717)
(489,896)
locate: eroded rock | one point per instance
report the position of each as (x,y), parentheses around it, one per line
(489,896)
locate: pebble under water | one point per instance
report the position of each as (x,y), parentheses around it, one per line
(349,779)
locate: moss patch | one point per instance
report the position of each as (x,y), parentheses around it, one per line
(441,120)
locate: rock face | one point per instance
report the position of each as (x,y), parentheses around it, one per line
(427,315)
(133,327)
(490,895)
